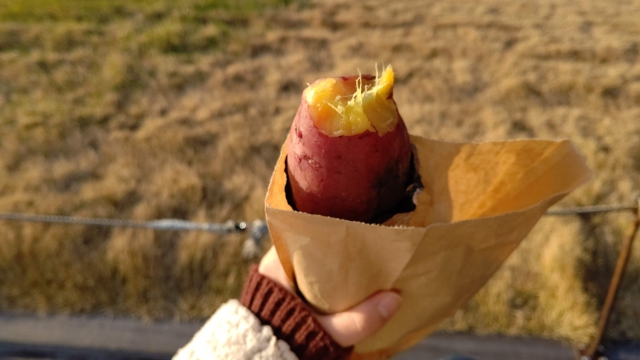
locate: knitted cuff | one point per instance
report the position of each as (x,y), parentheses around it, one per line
(290,318)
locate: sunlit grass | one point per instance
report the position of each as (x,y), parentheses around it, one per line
(74,74)
(155,109)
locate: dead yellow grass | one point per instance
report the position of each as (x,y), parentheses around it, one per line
(159,115)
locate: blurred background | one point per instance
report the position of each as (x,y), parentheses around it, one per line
(154,109)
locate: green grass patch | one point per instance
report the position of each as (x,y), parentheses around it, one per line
(109,10)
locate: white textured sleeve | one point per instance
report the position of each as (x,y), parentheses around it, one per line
(234,332)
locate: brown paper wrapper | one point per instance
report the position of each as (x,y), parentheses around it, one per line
(479,201)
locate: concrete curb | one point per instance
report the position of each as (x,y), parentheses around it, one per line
(104,334)
(88,337)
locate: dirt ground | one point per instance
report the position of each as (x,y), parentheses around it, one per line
(180,111)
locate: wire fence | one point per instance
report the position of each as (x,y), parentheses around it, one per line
(257,229)
(594,209)
(250,249)
(232,226)
(162,224)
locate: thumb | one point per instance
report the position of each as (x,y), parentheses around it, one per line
(365,319)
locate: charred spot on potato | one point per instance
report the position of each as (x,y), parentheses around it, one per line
(406,203)
(287,187)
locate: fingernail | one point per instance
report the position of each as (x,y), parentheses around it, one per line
(389,305)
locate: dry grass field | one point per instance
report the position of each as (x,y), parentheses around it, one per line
(178,109)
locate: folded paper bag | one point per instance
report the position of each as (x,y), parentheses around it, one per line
(479,201)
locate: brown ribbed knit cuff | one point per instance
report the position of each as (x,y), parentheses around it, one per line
(290,318)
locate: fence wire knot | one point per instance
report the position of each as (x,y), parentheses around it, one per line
(252,247)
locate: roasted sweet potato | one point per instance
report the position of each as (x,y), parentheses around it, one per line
(349,152)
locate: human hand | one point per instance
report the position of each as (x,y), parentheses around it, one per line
(347,327)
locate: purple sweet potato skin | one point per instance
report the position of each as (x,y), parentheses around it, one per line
(348,177)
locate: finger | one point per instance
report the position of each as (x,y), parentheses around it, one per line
(363,320)
(271,267)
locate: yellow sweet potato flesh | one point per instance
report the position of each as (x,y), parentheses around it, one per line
(347,108)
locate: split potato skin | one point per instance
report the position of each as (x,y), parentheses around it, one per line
(358,177)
